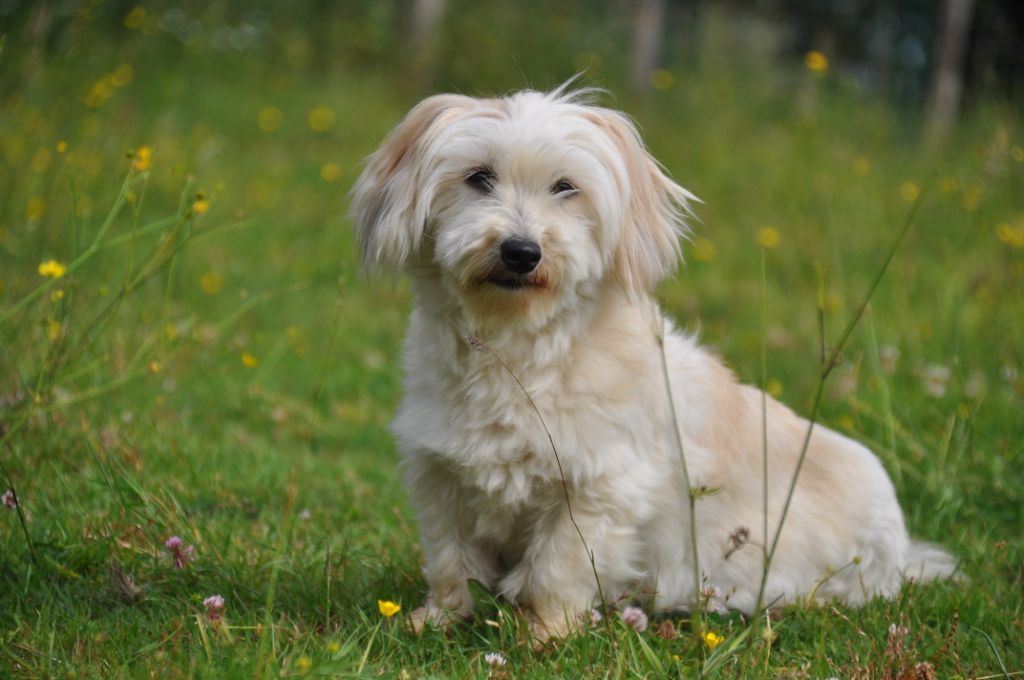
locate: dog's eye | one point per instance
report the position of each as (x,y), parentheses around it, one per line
(481,179)
(563,186)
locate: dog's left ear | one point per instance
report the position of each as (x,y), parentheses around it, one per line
(655,211)
(391,199)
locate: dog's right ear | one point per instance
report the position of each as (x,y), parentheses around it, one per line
(391,200)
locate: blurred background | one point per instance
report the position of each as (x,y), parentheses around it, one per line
(925,56)
(185,336)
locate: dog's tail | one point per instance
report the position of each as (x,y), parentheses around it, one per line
(928,562)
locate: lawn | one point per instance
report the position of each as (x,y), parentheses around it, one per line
(210,364)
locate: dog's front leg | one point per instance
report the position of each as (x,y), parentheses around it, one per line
(561,575)
(451,555)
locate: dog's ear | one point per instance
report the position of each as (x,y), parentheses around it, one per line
(391,200)
(655,210)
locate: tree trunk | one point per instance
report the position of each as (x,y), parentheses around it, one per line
(424,29)
(948,81)
(647,24)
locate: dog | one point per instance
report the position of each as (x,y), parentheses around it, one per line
(538,443)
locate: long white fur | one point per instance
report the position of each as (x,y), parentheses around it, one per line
(479,466)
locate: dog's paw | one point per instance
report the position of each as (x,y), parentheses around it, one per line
(433,617)
(549,629)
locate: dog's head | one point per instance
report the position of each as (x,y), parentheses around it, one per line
(519,203)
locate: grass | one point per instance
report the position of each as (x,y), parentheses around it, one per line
(225,375)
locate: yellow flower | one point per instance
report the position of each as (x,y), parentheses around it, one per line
(249,361)
(321,119)
(703,249)
(832,302)
(971,198)
(303,664)
(1011,236)
(768,237)
(52,269)
(53,329)
(122,75)
(57,295)
(334,647)
(909,191)
(388,608)
(35,209)
(142,159)
(662,79)
(200,206)
(154,367)
(861,166)
(135,18)
(172,331)
(62,146)
(329,172)
(774,387)
(816,62)
(712,639)
(212,282)
(100,92)
(270,118)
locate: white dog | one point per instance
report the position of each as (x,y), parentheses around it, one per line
(539,224)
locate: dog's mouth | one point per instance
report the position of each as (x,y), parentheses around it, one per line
(497,276)
(514,282)
(509,281)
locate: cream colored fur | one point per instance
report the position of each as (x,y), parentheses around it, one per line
(582,339)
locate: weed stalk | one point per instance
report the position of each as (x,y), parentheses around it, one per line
(479,345)
(825,370)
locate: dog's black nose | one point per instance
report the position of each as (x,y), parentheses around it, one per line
(520,255)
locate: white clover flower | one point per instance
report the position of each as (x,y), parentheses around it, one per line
(888,358)
(975,385)
(495,659)
(935,378)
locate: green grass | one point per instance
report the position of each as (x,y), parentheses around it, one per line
(130,414)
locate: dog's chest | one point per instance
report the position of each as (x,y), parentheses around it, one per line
(492,435)
(500,434)
(585,413)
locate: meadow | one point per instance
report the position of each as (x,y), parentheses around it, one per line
(188,349)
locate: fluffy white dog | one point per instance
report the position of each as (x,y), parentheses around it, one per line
(539,224)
